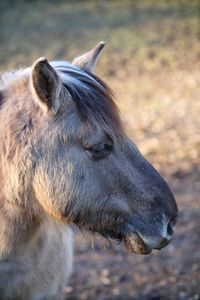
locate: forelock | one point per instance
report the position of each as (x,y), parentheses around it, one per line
(93,98)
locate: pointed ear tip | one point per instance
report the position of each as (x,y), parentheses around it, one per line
(101,45)
(41,59)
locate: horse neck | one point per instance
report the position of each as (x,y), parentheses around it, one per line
(17,228)
(20,216)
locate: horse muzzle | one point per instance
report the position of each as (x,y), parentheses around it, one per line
(142,243)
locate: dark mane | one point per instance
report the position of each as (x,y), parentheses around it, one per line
(94,99)
(1,99)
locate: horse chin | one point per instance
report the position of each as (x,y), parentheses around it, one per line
(135,244)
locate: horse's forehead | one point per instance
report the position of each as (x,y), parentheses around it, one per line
(93,98)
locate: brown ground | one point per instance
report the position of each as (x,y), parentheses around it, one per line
(152,62)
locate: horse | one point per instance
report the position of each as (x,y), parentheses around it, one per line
(66,159)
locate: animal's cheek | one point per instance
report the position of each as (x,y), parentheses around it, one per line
(44,188)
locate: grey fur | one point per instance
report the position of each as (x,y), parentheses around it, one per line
(49,181)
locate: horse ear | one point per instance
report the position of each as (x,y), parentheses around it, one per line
(46,85)
(88,60)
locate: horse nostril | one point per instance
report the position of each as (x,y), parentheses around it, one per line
(164,243)
(171,226)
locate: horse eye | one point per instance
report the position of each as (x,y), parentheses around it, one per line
(99,151)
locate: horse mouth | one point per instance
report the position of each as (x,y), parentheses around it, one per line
(135,244)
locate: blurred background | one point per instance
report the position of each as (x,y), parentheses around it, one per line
(152,62)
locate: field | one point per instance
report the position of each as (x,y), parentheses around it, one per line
(152,62)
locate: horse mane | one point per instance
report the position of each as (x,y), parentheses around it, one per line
(8,77)
(93,98)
